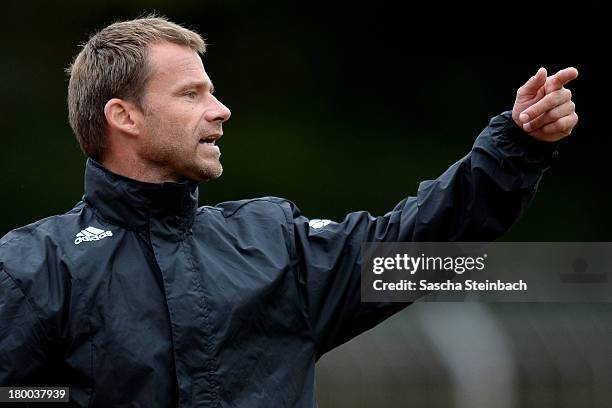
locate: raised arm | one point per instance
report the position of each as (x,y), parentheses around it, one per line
(477,199)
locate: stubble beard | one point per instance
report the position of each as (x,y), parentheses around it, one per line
(208,172)
(176,161)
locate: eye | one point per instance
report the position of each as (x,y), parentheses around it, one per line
(191,94)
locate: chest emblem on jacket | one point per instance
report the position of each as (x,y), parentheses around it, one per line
(91,234)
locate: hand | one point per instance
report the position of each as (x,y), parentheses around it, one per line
(544,108)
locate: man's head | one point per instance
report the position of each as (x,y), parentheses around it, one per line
(140,102)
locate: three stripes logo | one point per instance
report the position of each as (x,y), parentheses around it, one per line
(91,234)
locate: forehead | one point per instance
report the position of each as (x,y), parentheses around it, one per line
(171,64)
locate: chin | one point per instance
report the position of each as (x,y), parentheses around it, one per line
(208,172)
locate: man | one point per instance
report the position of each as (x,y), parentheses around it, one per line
(136,297)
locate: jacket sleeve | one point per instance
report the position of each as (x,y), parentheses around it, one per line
(22,335)
(477,199)
(33,297)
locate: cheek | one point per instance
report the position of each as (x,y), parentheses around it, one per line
(174,123)
(182,118)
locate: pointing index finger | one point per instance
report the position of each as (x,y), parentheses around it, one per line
(561,78)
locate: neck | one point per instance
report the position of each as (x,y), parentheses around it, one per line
(137,169)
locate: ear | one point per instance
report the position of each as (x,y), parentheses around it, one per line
(123,116)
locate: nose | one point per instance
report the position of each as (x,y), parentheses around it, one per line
(217,112)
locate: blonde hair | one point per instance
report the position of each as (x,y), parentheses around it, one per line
(113,64)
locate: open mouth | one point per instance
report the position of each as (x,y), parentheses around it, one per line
(208,140)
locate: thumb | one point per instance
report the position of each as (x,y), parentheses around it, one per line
(534,83)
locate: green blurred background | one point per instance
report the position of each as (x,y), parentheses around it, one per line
(341,107)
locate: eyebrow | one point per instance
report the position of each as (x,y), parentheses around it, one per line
(198,84)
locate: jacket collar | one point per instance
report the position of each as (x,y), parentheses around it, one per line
(131,203)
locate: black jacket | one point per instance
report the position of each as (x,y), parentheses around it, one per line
(137,297)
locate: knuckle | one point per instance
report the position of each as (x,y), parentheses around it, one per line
(559,126)
(536,110)
(567,126)
(560,96)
